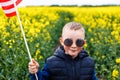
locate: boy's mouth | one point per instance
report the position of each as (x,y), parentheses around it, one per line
(73,50)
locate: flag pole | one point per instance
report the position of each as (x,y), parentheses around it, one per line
(23,33)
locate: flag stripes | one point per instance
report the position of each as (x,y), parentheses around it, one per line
(8,7)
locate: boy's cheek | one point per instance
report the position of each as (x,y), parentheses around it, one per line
(66,48)
(67,51)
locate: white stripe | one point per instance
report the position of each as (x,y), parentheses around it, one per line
(9,10)
(7,3)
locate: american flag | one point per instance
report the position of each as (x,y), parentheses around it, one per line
(9,7)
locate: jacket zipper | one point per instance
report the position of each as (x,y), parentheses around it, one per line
(73,70)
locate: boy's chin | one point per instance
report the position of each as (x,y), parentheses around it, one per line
(73,55)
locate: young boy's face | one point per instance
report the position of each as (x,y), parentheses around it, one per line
(72,35)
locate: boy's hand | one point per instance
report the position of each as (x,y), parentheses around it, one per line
(33,66)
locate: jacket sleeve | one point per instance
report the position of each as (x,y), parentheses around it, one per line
(94,77)
(42,75)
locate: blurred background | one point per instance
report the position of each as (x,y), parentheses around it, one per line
(43,20)
(69,2)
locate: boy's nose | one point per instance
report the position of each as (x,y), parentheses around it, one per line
(73,45)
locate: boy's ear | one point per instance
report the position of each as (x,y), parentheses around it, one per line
(61,41)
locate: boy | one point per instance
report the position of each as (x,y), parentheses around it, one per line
(70,61)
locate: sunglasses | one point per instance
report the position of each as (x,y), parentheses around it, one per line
(69,42)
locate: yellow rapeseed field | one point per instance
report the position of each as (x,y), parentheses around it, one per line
(102,25)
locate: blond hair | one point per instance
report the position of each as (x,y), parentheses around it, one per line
(73,26)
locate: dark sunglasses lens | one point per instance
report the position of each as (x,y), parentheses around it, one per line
(68,42)
(80,42)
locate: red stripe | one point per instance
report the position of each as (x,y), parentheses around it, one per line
(8,7)
(4,1)
(11,6)
(11,14)
(18,1)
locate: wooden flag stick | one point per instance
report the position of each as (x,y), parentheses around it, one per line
(23,33)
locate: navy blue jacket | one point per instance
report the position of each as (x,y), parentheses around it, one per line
(62,67)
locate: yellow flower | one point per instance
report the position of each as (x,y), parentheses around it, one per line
(91,39)
(86,45)
(116,37)
(37,45)
(40,57)
(47,23)
(118,60)
(10,47)
(103,56)
(37,52)
(89,30)
(7,42)
(66,19)
(115,73)
(97,53)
